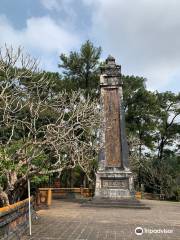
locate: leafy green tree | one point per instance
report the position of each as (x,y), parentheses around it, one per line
(166,140)
(152,123)
(168,124)
(81,67)
(131,85)
(140,107)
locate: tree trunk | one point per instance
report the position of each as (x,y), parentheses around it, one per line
(161,148)
(4,198)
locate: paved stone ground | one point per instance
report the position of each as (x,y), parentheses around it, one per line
(69,221)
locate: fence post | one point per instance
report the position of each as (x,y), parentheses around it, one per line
(49,197)
(29,199)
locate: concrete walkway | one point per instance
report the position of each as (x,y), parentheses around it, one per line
(69,221)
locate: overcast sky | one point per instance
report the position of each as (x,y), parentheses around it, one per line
(143,35)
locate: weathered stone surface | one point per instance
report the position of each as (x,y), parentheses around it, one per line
(118,184)
(112,132)
(115,183)
(14,220)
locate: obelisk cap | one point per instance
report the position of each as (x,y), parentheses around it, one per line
(110,60)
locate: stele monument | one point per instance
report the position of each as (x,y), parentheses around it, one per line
(114,179)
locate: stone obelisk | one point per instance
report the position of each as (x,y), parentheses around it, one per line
(114,179)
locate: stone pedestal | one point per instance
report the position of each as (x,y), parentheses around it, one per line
(114,183)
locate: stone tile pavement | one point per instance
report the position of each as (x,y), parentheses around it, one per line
(69,221)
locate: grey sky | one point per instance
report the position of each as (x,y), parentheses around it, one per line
(144,35)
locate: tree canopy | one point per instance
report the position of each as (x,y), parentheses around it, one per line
(82,67)
(42,131)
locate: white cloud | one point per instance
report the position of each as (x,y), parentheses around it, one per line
(42,37)
(44,34)
(144,36)
(64,9)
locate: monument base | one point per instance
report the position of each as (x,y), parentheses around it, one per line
(114,189)
(114,183)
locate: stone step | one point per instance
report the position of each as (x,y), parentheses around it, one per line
(107,203)
(129,200)
(116,206)
(114,203)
